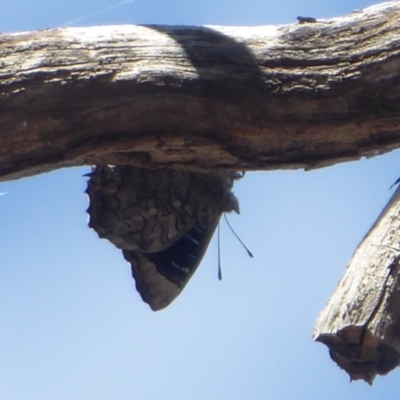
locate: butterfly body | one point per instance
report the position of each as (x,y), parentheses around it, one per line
(162,220)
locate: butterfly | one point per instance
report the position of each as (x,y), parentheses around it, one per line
(161,219)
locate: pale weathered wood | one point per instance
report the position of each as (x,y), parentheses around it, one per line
(211,98)
(201,98)
(361,322)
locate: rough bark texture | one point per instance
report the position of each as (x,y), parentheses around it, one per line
(201,98)
(224,98)
(361,323)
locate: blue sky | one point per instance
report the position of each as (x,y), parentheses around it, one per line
(72,324)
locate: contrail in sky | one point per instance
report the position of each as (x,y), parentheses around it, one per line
(102,10)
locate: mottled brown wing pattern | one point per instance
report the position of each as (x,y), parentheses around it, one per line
(163,220)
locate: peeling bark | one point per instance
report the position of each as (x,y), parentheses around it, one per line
(201,98)
(305,95)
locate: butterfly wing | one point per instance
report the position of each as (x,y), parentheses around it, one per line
(139,209)
(161,276)
(163,220)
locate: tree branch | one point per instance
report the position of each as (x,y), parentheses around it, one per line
(361,322)
(201,98)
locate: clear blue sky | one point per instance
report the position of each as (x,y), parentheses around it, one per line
(73,326)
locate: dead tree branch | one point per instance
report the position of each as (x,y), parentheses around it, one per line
(201,98)
(361,323)
(212,98)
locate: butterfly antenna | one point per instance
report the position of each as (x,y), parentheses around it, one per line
(394,184)
(237,237)
(219,255)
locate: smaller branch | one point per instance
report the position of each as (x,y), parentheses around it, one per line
(361,323)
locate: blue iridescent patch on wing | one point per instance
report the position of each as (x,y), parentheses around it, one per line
(161,219)
(182,258)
